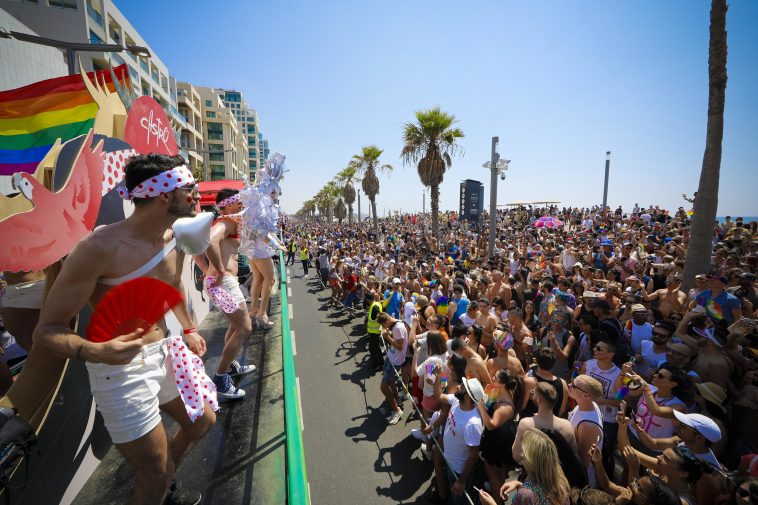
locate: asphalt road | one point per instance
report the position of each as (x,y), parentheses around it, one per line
(352,455)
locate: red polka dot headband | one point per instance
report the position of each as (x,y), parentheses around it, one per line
(228,201)
(164,182)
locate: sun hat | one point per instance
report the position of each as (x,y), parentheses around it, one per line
(474,389)
(704,425)
(638,307)
(713,393)
(408,310)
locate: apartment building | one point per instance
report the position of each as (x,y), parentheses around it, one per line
(100,22)
(226,150)
(247,119)
(189,104)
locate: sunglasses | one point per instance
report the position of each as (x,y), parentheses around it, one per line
(601,349)
(192,188)
(660,375)
(574,386)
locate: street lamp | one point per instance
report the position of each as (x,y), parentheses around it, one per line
(72,47)
(496,166)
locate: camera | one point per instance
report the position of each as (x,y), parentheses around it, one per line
(502,176)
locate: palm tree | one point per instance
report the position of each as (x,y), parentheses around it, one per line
(367,163)
(340,211)
(347,177)
(430,143)
(698,258)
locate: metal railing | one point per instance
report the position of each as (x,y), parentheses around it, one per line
(297,479)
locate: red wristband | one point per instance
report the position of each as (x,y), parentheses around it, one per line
(189,330)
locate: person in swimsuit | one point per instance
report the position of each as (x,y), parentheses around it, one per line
(220,271)
(129,376)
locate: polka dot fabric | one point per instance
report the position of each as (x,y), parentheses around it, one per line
(161,183)
(221,297)
(195,387)
(113,168)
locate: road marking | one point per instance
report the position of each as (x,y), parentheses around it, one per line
(289,272)
(294,345)
(290,311)
(300,403)
(289,292)
(309,491)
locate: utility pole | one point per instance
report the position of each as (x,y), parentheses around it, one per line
(607,172)
(494,157)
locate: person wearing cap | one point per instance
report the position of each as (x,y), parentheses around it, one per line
(638,329)
(679,355)
(670,299)
(611,326)
(395,299)
(711,364)
(720,306)
(746,285)
(605,258)
(463,435)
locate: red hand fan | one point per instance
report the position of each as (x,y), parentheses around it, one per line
(139,303)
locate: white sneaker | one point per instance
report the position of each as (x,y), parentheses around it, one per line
(418,434)
(426,451)
(395,417)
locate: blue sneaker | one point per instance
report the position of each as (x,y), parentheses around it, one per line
(225,388)
(235,369)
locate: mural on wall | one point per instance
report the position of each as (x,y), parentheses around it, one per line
(65,142)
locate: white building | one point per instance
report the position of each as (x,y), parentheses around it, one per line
(99,22)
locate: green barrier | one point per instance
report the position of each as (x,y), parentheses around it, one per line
(297,479)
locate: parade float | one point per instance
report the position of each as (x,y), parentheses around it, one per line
(65,142)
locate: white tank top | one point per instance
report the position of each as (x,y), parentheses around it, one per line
(608,380)
(576,417)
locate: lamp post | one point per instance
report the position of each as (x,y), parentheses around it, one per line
(359,207)
(72,47)
(605,187)
(496,166)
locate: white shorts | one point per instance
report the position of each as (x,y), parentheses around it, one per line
(232,285)
(128,396)
(25,295)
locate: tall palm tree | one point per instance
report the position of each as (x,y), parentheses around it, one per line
(347,177)
(698,258)
(430,143)
(368,163)
(339,210)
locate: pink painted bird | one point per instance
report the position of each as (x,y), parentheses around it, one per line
(41,236)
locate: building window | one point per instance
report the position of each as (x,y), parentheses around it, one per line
(210,113)
(143,65)
(217,172)
(94,39)
(215,131)
(93,14)
(63,4)
(208,103)
(253,164)
(216,156)
(215,147)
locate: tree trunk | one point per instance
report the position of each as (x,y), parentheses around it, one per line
(373,209)
(435,204)
(698,258)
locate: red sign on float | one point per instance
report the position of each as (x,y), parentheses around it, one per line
(148,130)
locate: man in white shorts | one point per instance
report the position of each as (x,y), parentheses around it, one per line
(132,376)
(220,271)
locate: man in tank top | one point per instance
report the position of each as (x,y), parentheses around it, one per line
(587,420)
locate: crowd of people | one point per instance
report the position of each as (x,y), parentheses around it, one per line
(572,356)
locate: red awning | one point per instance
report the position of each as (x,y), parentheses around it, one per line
(209,189)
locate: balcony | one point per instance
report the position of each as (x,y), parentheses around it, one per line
(94,39)
(95,16)
(143,65)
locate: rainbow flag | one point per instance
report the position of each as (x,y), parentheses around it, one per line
(33,117)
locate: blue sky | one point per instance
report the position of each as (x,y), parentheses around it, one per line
(560,82)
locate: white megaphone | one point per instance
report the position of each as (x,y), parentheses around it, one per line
(193,234)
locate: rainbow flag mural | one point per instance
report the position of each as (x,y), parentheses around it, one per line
(33,117)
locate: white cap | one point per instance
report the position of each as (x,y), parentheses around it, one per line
(704,425)
(396,280)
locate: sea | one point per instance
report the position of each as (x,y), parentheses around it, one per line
(745,219)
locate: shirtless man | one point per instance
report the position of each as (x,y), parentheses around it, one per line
(128,374)
(545,396)
(521,335)
(499,288)
(487,321)
(670,299)
(220,270)
(475,365)
(506,356)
